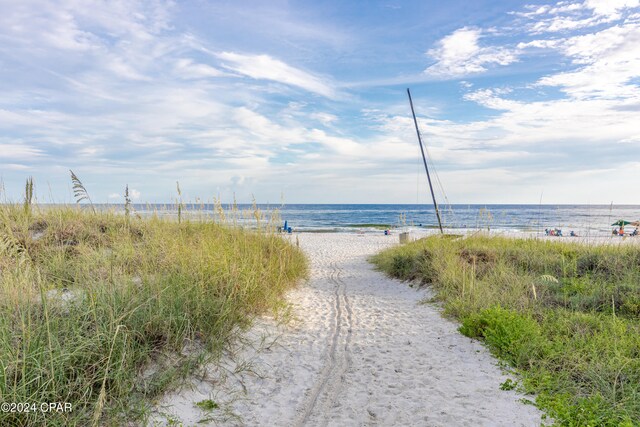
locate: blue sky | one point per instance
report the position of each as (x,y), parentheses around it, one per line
(305,102)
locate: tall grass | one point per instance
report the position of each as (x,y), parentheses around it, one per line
(567,316)
(89,300)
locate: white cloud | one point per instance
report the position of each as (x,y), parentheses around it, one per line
(324,118)
(607,60)
(566,16)
(524,148)
(117,88)
(632,140)
(186,68)
(18,151)
(489,98)
(459,54)
(123,68)
(610,8)
(561,7)
(339,145)
(113,33)
(134,194)
(268,68)
(13,167)
(264,131)
(585,122)
(559,23)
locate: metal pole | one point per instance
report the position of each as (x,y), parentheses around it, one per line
(424,159)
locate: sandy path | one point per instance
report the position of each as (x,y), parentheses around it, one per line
(362,351)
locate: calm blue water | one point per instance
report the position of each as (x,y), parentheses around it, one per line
(309,217)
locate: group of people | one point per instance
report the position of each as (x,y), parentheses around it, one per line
(553,232)
(620,232)
(558,232)
(616,232)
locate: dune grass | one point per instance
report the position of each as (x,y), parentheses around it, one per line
(90,300)
(566,316)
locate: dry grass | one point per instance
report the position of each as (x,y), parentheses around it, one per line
(88,300)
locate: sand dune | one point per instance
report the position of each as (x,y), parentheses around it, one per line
(361,350)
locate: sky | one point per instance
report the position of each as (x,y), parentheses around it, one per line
(306,102)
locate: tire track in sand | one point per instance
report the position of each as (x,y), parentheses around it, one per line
(403,363)
(323,394)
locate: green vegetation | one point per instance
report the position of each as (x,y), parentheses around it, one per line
(207,405)
(91,300)
(566,316)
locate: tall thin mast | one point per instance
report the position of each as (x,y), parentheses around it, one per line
(424,159)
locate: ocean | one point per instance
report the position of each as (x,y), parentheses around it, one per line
(584,219)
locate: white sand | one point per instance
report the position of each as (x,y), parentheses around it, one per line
(363,351)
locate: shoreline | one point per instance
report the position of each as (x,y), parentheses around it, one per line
(415,234)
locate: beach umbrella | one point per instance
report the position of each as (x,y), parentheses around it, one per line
(621,222)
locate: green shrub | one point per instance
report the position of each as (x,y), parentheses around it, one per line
(403,266)
(508,334)
(566,315)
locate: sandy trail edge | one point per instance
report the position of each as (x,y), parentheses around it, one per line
(362,351)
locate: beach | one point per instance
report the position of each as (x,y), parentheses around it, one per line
(359,349)
(391,213)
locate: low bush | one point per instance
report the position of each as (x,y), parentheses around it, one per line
(509,334)
(565,315)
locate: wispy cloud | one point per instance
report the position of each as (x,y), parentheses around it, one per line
(18,151)
(606,63)
(188,69)
(268,68)
(460,54)
(228,98)
(567,16)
